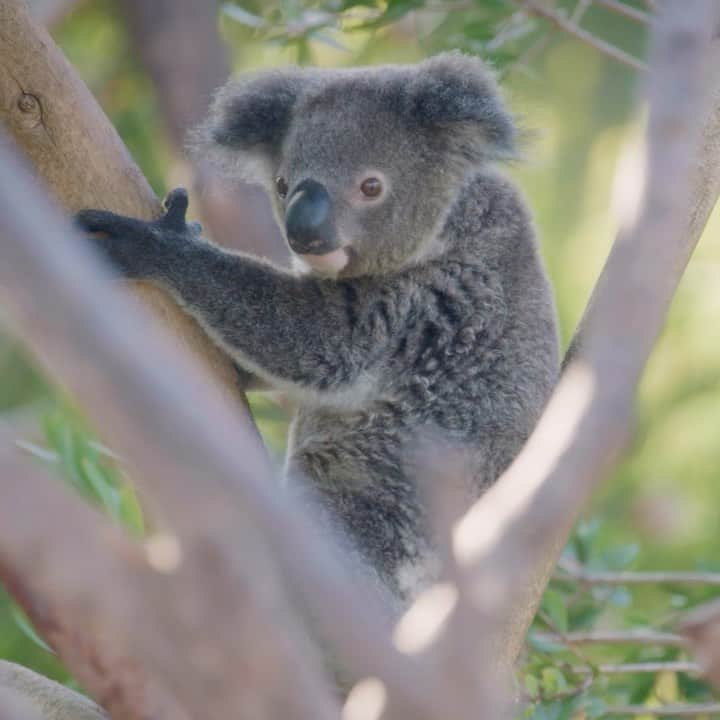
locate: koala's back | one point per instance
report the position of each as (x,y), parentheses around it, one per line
(467,353)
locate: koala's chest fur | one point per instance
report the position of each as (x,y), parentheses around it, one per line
(446,369)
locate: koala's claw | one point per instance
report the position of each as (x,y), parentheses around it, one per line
(106,222)
(140,248)
(176,205)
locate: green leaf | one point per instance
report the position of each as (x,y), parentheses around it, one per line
(553,604)
(553,681)
(326,39)
(584,537)
(532,685)
(640,687)
(620,557)
(556,710)
(620,597)
(103,487)
(130,513)
(583,614)
(242,16)
(594,708)
(543,644)
(25,626)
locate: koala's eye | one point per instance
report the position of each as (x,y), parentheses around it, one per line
(281,186)
(371,187)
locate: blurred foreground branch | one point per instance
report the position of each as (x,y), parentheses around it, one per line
(25,695)
(193,461)
(508,543)
(82,590)
(149,399)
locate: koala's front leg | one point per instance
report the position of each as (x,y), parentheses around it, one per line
(292,332)
(141,249)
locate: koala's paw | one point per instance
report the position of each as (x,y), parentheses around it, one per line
(176,205)
(139,248)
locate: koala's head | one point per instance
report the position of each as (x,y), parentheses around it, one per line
(361,164)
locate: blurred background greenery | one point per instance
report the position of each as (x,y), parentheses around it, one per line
(661,509)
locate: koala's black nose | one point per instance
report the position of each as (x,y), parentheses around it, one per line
(308,220)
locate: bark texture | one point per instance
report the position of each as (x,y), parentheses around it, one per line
(25,695)
(52,116)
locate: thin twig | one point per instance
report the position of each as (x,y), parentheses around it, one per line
(580,9)
(449,6)
(699,710)
(621,8)
(614,637)
(560,21)
(572,691)
(625,577)
(675,666)
(563,637)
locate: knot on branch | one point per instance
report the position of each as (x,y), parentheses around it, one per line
(30,109)
(28,103)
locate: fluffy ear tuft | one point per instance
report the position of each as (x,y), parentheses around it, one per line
(455,89)
(248,121)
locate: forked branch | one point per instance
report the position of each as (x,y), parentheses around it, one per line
(508,543)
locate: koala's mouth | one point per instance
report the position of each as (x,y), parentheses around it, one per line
(331,262)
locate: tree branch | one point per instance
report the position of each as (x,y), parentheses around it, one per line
(149,399)
(695,710)
(25,695)
(615,637)
(507,544)
(53,118)
(639,16)
(535,7)
(50,573)
(676,666)
(191,458)
(598,577)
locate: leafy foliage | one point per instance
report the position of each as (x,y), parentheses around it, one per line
(493,28)
(564,679)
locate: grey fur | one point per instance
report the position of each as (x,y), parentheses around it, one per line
(442,321)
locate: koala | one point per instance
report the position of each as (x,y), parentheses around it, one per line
(417,305)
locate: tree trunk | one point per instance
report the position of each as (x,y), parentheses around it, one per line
(75,151)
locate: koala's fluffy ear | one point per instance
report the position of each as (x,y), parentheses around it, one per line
(458,92)
(248,121)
